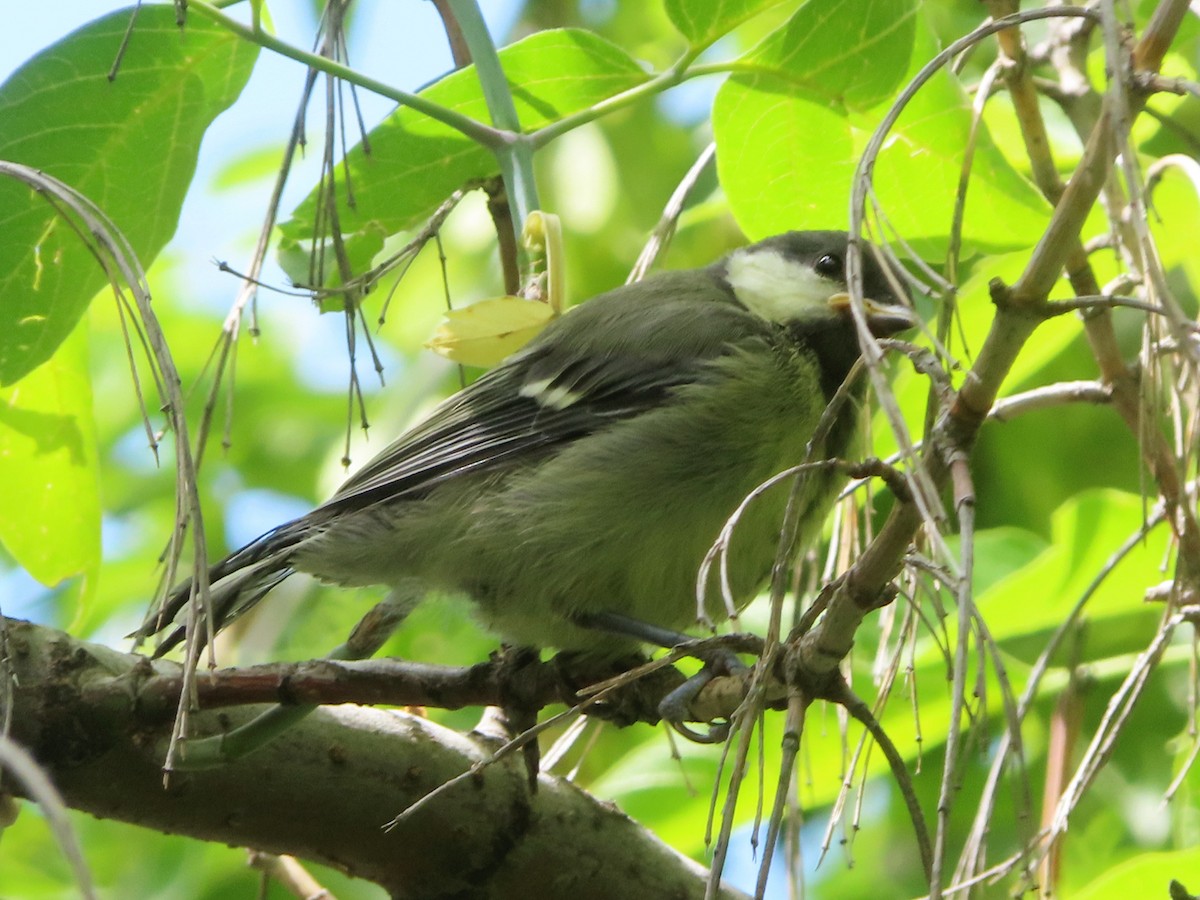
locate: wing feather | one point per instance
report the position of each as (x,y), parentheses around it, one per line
(557,391)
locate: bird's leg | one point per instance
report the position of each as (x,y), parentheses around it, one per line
(518,710)
(674,707)
(373,629)
(615,623)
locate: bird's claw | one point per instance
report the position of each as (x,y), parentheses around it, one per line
(674,708)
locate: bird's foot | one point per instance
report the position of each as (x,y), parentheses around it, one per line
(675,707)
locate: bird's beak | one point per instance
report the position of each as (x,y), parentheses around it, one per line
(883,319)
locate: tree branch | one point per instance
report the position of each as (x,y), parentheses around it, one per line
(323,790)
(1019,311)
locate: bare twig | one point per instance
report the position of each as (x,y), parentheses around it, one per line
(972,854)
(17,762)
(290,875)
(660,237)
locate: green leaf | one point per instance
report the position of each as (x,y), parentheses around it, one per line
(976,312)
(1023,608)
(129,145)
(358,249)
(1147,875)
(703,23)
(791,126)
(50,517)
(767,148)
(856,61)
(999,552)
(917,176)
(250,166)
(415,162)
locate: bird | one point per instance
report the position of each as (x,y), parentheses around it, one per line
(573,491)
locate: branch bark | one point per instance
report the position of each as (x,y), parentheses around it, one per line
(323,790)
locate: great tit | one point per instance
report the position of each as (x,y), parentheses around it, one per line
(584,479)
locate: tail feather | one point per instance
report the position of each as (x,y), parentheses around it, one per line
(236,584)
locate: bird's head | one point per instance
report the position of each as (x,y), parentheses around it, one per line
(798,280)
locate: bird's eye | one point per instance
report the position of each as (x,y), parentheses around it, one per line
(829,265)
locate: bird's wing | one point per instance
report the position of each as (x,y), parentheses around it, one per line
(622,355)
(555,392)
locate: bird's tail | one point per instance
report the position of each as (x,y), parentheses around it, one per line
(235,583)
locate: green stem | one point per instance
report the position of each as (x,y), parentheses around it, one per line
(678,73)
(475,130)
(514,152)
(487,65)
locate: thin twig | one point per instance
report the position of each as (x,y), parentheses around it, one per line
(660,237)
(17,762)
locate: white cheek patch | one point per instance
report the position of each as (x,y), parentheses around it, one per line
(776,288)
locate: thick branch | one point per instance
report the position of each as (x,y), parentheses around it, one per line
(323,789)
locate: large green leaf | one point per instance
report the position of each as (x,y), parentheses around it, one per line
(1024,608)
(792,124)
(855,60)
(415,162)
(1145,875)
(129,145)
(703,23)
(50,517)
